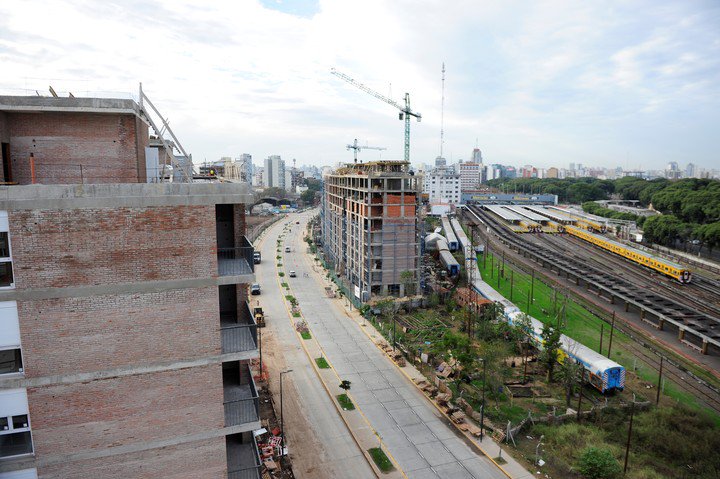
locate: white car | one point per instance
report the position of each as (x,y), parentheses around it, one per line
(292,274)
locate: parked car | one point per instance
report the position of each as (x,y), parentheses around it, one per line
(297,222)
(256,257)
(287,249)
(292,274)
(255,288)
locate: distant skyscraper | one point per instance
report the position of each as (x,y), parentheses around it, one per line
(440,161)
(274,176)
(691,171)
(477,155)
(246,165)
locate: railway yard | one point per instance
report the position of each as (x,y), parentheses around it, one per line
(670,316)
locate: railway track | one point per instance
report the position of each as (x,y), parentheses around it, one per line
(651,280)
(677,373)
(700,330)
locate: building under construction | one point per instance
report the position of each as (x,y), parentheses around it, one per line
(370,227)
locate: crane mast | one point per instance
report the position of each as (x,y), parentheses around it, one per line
(354,146)
(405,111)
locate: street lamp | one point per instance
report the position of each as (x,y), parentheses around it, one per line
(482,411)
(282,423)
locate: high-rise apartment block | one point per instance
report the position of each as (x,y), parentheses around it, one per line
(471,174)
(442,185)
(274,174)
(370,227)
(125,331)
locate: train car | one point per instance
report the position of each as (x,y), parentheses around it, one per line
(668,268)
(530,227)
(603,374)
(449,234)
(447,259)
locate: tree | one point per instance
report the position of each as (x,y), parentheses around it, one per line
(345,385)
(407,278)
(551,344)
(596,463)
(308,196)
(569,375)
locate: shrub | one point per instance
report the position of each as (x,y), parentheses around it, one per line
(595,463)
(345,402)
(281,274)
(381,460)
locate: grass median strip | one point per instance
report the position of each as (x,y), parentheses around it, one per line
(345,402)
(306,335)
(381,460)
(322,363)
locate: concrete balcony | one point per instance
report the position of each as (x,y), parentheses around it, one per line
(242,407)
(243,459)
(238,331)
(236,265)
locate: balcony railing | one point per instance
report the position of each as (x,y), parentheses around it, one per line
(238,337)
(243,460)
(236,261)
(241,403)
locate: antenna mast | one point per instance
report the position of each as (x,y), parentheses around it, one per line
(442,112)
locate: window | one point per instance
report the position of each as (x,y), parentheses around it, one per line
(11,361)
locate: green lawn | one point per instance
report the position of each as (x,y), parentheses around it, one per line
(345,402)
(580,324)
(381,460)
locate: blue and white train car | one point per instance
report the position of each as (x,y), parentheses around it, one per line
(604,374)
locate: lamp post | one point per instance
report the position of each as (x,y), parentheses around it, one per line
(482,411)
(282,423)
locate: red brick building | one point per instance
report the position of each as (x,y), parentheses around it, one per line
(125,331)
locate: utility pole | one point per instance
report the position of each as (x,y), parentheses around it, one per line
(482,411)
(512,280)
(532,288)
(602,328)
(657,399)
(282,423)
(582,379)
(627,447)
(612,329)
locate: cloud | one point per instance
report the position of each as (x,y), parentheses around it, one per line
(535,82)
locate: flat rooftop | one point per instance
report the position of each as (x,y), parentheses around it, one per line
(39,104)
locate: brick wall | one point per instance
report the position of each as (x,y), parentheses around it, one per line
(107,147)
(92,246)
(127,410)
(197,460)
(77,335)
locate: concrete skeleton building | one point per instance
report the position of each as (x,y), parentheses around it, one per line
(370,227)
(125,331)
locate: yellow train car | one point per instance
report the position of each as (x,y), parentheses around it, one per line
(668,268)
(530,227)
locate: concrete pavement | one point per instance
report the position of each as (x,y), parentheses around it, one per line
(318,440)
(416,435)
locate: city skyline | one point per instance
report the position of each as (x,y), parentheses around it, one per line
(547,84)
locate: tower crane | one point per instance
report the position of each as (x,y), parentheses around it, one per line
(357,148)
(405,111)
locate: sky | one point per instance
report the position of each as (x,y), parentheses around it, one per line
(634,84)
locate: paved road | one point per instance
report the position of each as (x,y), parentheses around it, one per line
(415,433)
(318,440)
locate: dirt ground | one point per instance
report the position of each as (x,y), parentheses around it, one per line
(305,445)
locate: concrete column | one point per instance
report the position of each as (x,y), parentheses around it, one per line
(681,334)
(642,314)
(704,347)
(661,324)
(627,306)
